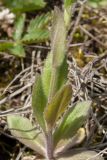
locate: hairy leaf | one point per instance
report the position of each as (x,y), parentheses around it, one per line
(62,72)
(57,50)
(81,155)
(46,75)
(65,144)
(19,26)
(58,104)
(57,53)
(72,121)
(23,130)
(39,101)
(23,5)
(58,38)
(17,50)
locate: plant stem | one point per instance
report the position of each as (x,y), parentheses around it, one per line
(49,145)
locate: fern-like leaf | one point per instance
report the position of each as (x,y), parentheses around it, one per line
(38,35)
(17,50)
(37,30)
(39,22)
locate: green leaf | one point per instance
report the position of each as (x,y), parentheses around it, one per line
(13,48)
(6,45)
(62,72)
(19,26)
(67,17)
(58,105)
(17,50)
(72,121)
(66,144)
(37,30)
(37,35)
(97,3)
(39,101)
(39,22)
(23,130)
(67,12)
(68,3)
(46,75)
(58,38)
(57,49)
(23,5)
